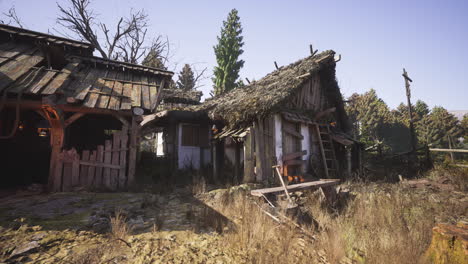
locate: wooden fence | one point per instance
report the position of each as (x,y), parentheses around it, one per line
(104,167)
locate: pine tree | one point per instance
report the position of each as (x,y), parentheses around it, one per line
(186,79)
(154,59)
(464,125)
(227,52)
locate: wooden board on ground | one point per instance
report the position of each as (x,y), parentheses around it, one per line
(296,187)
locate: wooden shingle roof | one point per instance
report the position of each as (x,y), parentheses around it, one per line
(89,81)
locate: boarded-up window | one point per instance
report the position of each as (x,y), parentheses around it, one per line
(195,135)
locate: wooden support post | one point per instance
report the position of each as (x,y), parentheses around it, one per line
(260,155)
(55,118)
(123,157)
(249,157)
(218,159)
(237,167)
(132,157)
(410,110)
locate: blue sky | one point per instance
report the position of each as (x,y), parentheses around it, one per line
(375,38)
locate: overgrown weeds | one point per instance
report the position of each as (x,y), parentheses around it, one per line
(120,229)
(380,223)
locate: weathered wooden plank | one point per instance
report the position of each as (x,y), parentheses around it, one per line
(57,186)
(24,82)
(90,77)
(296,187)
(107,160)
(115,160)
(100,165)
(38,86)
(10,50)
(145,94)
(91,168)
(67,177)
(126,102)
(292,132)
(294,155)
(249,157)
(94,85)
(76,171)
(294,162)
(12,70)
(61,78)
(114,102)
(106,91)
(153,92)
(136,93)
(99,159)
(260,151)
(134,133)
(123,157)
(449,150)
(84,168)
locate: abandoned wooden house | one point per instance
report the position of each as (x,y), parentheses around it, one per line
(294,117)
(67,118)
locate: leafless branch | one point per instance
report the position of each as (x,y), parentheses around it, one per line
(13,18)
(126,42)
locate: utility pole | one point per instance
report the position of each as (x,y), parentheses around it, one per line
(410,110)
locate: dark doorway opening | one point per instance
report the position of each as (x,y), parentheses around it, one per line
(24,158)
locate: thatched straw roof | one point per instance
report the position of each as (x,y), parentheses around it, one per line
(243,105)
(181,96)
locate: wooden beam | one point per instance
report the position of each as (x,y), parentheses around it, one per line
(324,113)
(37,105)
(294,155)
(296,187)
(294,162)
(449,150)
(72,119)
(293,133)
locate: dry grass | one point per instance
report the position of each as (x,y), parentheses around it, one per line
(456,175)
(381,223)
(120,229)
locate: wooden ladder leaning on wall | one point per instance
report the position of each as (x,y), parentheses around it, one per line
(330,164)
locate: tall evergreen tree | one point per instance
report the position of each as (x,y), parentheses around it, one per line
(186,79)
(464,125)
(154,59)
(227,52)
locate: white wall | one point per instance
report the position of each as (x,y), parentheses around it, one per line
(278,140)
(188,156)
(160,145)
(305,144)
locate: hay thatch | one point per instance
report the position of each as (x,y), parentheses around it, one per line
(241,106)
(181,96)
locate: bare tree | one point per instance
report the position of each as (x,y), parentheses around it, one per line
(12,18)
(126,42)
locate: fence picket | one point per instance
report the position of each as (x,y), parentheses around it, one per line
(107,160)
(91,169)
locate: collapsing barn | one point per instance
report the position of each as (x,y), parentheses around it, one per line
(294,117)
(68,119)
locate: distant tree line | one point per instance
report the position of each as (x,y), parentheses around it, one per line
(375,124)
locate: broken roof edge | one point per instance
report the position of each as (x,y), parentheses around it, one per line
(40,35)
(126,65)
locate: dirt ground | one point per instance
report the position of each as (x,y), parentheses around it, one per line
(172,228)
